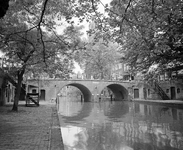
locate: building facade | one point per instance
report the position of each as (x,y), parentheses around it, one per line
(7,89)
(121,71)
(169,85)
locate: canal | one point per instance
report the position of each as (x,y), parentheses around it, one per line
(120,125)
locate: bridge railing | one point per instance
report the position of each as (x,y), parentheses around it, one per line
(91,80)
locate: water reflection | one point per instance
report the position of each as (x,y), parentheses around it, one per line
(120,126)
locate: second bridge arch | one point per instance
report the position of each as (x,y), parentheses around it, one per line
(119,92)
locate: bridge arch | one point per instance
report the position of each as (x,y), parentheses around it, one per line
(85,91)
(83,113)
(119,91)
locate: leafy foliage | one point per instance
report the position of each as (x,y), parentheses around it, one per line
(150,33)
(28,32)
(98,58)
(30,42)
(4,4)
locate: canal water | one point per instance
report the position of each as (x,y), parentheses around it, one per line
(118,125)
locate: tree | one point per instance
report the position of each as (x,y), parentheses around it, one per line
(4,4)
(30,41)
(25,49)
(98,58)
(150,33)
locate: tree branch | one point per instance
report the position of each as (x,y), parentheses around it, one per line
(42,13)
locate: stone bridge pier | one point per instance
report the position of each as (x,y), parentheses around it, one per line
(91,89)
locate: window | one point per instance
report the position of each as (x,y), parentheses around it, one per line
(161,77)
(178,90)
(180,116)
(137,108)
(136,93)
(125,67)
(148,91)
(33,90)
(42,96)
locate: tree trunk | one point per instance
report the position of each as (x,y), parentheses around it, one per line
(18,89)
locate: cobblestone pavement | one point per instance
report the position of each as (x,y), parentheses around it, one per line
(31,128)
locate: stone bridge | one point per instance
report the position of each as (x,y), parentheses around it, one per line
(91,89)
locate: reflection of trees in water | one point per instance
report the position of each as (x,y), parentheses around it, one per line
(145,136)
(151,128)
(145,146)
(147,127)
(82,140)
(117,109)
(158,114)
(103,138)
(155,127)
(83,113)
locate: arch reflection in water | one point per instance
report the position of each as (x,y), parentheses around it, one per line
(73,110)
(137,126)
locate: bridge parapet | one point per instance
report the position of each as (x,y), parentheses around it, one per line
(94,80)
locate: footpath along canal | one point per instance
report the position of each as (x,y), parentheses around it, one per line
(120,125)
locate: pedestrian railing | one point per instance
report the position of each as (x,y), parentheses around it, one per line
(160,91)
